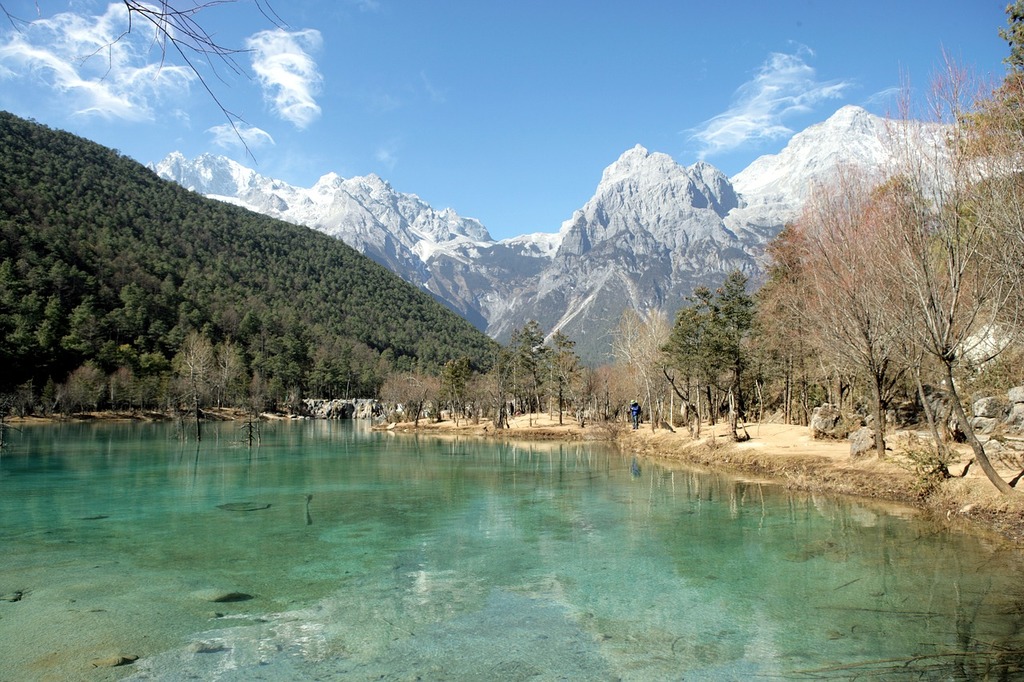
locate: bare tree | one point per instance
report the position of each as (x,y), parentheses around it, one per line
(847,292)
(997,148)
(637,344)
(194,363)
(941,251)
(229,373)
(178,28)
(84,388)
(412,391)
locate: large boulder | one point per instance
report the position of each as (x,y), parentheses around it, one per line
(984,425)
(1015,395)
(828,422)
(862,442)
(989,408)
(1015,419)
(988,412)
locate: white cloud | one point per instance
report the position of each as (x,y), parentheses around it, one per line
(288,74)
(95,63)
(886,99)
(367,5)
(387,156)
(436,94)
(240,136)
(784,85)
(382,102)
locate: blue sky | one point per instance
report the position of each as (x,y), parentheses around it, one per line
(504,111)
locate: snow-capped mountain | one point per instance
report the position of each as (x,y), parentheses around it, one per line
(850,137)
(366,209)
(450,256)
(652,232)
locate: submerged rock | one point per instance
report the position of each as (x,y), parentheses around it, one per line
(243,506)
(115,661)
(221,596)
(205,647)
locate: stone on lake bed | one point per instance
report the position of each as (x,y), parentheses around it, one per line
(114,661)
(243,506)
(221,596)
(204,647)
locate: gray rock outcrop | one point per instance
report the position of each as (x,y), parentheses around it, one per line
(828,422)
(1015,416)
(989,413)
(862,442)
(992,413)
(989,407)
(355,408)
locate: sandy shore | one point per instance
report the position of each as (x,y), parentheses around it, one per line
(790,456)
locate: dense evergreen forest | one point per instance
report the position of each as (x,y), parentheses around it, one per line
(111,277)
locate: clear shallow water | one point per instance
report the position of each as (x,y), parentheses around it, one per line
(439,559)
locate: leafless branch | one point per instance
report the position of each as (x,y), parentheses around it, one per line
(181,29)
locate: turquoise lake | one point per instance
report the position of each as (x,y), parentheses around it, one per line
(347,554)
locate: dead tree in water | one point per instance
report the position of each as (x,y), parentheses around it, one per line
(194,364)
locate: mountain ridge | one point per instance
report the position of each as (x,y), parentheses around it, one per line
(652,231)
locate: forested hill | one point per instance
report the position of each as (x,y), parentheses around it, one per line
(104,265)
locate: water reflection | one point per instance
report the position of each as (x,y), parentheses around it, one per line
(374,555)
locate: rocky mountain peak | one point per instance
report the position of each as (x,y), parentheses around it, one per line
(652,231)
(329,182)
(638,164)
(850,137)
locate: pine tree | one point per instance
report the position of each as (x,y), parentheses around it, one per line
(1014,35)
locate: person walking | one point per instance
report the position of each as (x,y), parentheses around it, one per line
(634,412)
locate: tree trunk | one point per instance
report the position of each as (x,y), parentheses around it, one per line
(972,438)
(650,408)
(789,397)
(195,409)
(696,413)
(879,416)
(940,443)
(733,416)
(199,432)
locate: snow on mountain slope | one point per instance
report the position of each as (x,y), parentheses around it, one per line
(450,256)
(850,137)
(775,187)
(359,208)
(651,233)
